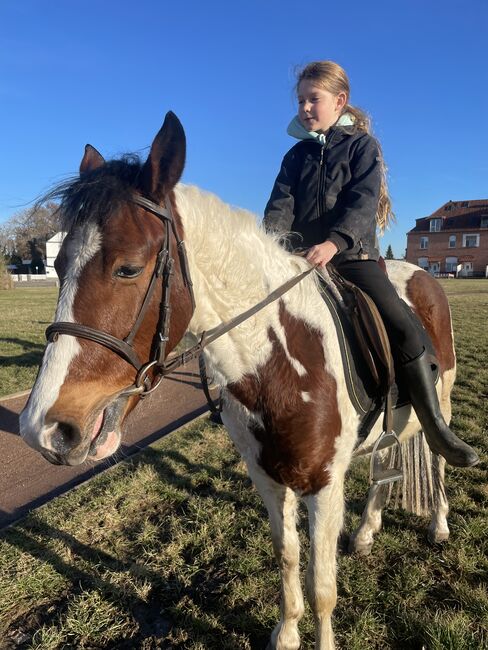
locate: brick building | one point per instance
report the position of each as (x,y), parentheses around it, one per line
(452,239)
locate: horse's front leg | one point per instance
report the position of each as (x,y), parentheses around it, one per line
(281,503)
(325,511)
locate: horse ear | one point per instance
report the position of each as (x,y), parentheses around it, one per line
(91,160)
(166,160)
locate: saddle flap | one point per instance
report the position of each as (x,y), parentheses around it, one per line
(371,334)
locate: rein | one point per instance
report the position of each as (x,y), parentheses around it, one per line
(210,336)
(163,269)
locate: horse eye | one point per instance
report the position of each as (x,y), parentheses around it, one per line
(128,271)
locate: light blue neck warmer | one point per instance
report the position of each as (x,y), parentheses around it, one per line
(298,131)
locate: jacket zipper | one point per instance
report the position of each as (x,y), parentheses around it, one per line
(323,149)
(361,254)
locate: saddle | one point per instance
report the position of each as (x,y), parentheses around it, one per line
(365,349)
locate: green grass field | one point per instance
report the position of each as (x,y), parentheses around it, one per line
(25,314)
(172,550)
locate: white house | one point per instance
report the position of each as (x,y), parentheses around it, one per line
(52,249)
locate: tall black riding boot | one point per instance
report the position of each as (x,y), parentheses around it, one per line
(424,400)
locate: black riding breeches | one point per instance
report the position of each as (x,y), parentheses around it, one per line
(405,340)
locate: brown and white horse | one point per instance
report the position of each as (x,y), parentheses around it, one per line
(286,404)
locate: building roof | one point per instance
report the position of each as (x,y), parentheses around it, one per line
(455,215)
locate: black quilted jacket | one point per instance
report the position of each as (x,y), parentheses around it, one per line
(329,191)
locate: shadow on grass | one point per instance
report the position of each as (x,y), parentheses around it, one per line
(25,536)
(203,489)
(165,609)
(32,357)
(150,616)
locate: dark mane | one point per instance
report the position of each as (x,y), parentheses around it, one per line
(94,195)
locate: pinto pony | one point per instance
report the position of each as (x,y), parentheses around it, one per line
(286,403)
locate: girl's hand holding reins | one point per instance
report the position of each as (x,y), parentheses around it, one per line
(320,254)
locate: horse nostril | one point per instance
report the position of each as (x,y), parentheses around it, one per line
(65,437)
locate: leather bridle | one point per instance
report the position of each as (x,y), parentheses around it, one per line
(124,347)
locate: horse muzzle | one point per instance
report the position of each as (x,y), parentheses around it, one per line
(62,441)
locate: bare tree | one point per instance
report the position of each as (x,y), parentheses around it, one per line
(6,281)
(7,240)
(33,226)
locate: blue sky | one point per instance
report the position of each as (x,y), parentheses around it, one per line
(73,72)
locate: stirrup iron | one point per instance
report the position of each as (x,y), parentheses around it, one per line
(386,476)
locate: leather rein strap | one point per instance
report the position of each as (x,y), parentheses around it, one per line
(211,335)
(163,269)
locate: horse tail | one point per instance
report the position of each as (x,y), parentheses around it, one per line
(422,483)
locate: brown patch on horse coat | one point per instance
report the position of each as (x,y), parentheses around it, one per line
(297,437)
(431,306)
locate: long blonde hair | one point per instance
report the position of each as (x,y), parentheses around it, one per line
(332,77)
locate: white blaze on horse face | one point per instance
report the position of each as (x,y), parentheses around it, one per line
(80,248)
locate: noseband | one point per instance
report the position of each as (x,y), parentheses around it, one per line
(163,268)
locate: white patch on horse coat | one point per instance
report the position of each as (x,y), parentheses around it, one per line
(306,396)
(295,363)
(81,247)
(225,275)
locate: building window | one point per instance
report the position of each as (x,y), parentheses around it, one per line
(423,262)
(471,241)
(484,222)
(451,264)
(435,225)
(424,242)
(452,241)
(465,204)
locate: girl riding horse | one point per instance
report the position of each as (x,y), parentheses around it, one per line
(331,192)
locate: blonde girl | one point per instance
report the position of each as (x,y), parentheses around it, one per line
(331,196)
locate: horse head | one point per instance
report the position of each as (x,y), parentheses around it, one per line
(111,267)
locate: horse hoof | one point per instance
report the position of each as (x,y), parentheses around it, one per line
(437,537)
(277,641)
(355,548)
(271,646)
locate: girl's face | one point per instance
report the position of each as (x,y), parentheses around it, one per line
(318,109)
